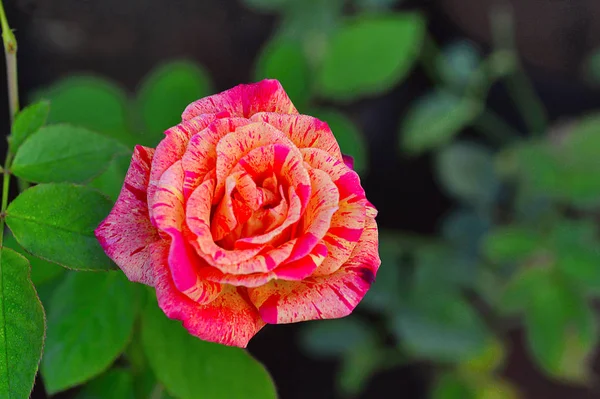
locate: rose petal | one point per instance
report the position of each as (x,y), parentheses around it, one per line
(198,220)
(238,261)
(127,232)
(301,268)
(171,149)
(200,157)
(225,219)
(324,297)
(230,319)
(266,150)
(304,131)
(349,161)
(294,210)
(244,101)
(317,218)
(297,270)
(347,223)
(169,217)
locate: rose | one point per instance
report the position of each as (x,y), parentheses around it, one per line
(245,214)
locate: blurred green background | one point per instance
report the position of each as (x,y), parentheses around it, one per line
(475,135)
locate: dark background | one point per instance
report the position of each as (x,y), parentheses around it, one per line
(124,39)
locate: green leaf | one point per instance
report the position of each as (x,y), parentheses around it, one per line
(27,122)
(350,139)
(144,381)
(560,169)
(115,383)
(537,166)
(465,229)
(442,268)
(369,55)
(56,222)
(21,325)
(93,103)
(90,321)
(440,326)
(561,330)
(466,171)
(41,271)
(497,389)
(490,359)
(457,63)
(284,60)
(577,252)
(578,155)
(333,338)
(512,243)
(47,288)
(111,180)
(357,368)
(435,119)
(63,153)
(451,386)
(518,292)
(164,94)
(189,367)
(311,22)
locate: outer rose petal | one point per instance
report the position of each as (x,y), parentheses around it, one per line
(347,223)
(244,101)
(304,131)
(127,232)
(349,161)
(324,297)
(230,319)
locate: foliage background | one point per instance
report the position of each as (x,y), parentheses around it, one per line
(485,177)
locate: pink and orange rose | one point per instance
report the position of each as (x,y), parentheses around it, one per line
(245,214)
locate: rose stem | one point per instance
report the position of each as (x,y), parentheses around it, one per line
(10,52)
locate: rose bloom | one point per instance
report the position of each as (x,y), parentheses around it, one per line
(245,214)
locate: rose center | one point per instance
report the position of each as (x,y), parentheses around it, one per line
(249,207)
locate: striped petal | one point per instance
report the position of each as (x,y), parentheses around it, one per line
(347,223)
(324,297)
(230,319)
(244,101)
(169,217)
(283,161)
(317,217)
(294,271)
(349,161)
(171,149)
(244,147)
(303,267)
(201,154)
(198,220)
(127,232)
(304,131)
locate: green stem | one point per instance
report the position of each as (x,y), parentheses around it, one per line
(10,52)
(527,101)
